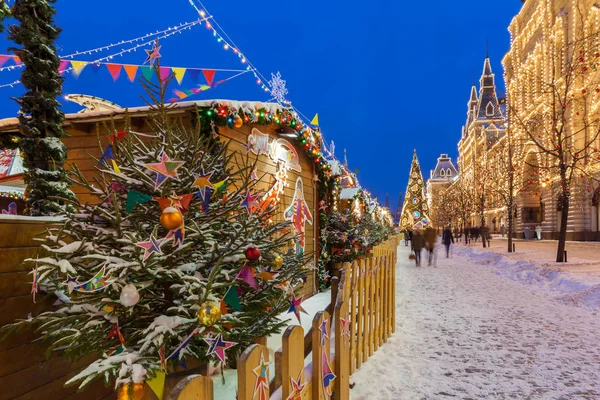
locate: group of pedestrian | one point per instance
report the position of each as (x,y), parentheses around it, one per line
(474,233)
(427,239)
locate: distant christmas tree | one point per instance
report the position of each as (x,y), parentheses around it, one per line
(40,117)
(414,210)
(178,260)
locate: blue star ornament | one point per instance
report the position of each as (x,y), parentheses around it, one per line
(151,246)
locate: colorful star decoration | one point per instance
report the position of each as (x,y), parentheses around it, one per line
(153,54)
(151,246)
(249,202)
(345,323)
(296,306)
(324,332)
(218,346)
(164,169)
(297,388)
(202,182)
(284,286)
(262,378)
(328,375)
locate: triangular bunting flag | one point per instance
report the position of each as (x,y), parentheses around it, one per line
(165,72)
(179,74)
(147,72)
(4,59)
(315,120)
(115,70)
(209,75)
(17,60)
(116,167)
(134,198)
(194,74)
(232,299)
(62,66)
(157,384)
(180,94)
(78,66)
(131,71)
(108,154)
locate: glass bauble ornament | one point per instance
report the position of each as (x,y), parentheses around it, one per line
(131,391)
(209,313)
(171,218)
(129,295)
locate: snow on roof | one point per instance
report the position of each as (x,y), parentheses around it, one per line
(349,193)
(246,105)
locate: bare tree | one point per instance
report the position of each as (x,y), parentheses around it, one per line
(560,121)
(505,172)
(460,203)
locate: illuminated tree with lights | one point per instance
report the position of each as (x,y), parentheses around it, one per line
(460,201)
(556,113)
(415,210)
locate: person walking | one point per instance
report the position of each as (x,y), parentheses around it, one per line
(447,239)
(430,237)
(417,243)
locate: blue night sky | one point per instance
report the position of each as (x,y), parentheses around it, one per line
(385,76)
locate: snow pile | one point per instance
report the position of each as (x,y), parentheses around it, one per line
(564,287)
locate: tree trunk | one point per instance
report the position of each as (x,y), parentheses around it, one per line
(510,226)
(562,234)
(482,223)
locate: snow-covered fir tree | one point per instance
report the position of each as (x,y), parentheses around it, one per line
(177,253)
(40,117)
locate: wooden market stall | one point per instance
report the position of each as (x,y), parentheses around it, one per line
(283,168)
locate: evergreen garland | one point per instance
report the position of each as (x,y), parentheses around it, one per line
(40,118)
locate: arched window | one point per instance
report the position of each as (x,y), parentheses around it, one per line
(448,172)
(442,172)
(489,110)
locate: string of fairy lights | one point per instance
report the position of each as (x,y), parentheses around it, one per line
(146,40)
(310,137)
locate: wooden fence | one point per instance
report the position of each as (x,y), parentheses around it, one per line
(359,320)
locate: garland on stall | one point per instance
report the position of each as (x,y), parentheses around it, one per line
(226,115)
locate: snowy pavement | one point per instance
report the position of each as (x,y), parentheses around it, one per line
(466,331)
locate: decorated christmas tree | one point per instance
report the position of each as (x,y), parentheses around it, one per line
(178,260)
(414,210)
(40,117)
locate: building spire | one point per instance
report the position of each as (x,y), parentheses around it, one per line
(345,159)
(487,53)
(387,201)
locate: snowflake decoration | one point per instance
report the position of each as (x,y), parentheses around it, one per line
(278,89)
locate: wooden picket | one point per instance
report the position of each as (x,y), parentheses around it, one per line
(360,319)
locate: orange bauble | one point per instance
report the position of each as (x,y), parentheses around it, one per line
(131,391)
(171,218)
(238,122)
